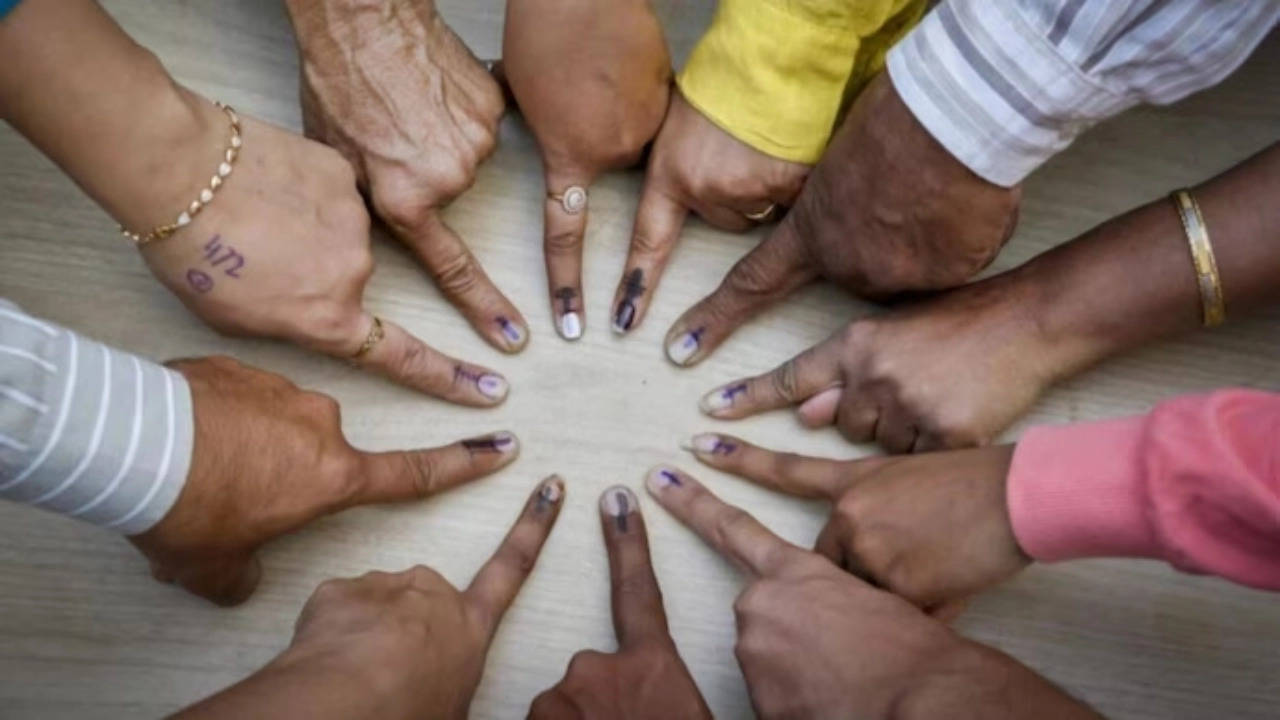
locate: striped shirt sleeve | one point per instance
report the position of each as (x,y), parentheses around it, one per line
(1006,85)
(88,431)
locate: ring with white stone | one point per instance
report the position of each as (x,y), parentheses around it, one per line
(573,199)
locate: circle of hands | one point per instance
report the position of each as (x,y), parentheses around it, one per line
(401,112)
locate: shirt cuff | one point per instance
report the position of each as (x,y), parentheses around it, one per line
(1076,491)
(993,91)
(772,76)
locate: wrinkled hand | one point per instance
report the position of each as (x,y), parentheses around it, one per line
(816,642)
(592,80)
(887,210)
(695,166)
(934,528)
(392,646)
(283,252)
(949,372)
(393,89)
(646,677)
(270,458)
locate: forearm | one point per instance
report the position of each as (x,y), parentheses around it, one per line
(106,111)
(1131,279)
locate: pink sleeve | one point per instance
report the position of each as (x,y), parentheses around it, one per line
(1196,482)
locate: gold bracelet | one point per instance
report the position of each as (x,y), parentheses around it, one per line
(225,167)
(1215,308)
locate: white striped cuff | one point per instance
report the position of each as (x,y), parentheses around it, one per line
(993,90)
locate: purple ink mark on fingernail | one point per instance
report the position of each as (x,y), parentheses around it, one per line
(624,509)
(509,330)
(670,477)
(461,373)
(488,444)
(199,281)
(632,288)
(723,448)
(733,391)
(492,386)
(693,338)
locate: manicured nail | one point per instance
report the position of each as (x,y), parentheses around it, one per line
(618,502)
(624,317)
(661,478)
(502,442)
(721,398)
(549,494)
(684,346)
(570,326)
(494,387)
(512,333)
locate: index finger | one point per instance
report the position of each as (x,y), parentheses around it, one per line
(496,585)
(638,615)
(729,529)
(564,230)
(659,219)
(403,358)
(806,477)
(795,380)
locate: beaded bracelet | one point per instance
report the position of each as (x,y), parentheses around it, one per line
(229,158)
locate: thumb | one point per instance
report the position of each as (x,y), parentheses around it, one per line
(405,475)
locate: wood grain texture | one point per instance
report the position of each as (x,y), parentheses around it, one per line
(85,633)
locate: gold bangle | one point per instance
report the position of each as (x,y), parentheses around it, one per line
(1215,308)
(229,157)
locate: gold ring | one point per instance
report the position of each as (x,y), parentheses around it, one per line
(376,333)
(573,199)
(764,215)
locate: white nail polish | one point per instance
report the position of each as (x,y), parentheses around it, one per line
(570,326)
(618,501)
(683,348)
(493,387)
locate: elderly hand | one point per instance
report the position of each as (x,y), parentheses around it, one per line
(393,89)
(270,458)
(646,677)
(393,646)
(816,642)
(933,528)
(887,210)
(696,166)
(592,80)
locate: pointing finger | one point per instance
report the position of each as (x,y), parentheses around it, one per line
(414,474)
(659,219)
(496,585)
(795,380)
(793,474)
(730,530)
(764,276)
(565,226)
(407,360)
(638,615)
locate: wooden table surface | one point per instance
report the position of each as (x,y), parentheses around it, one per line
(85,633)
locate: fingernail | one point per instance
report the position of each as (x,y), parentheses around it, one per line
(501,442)
(624,317)
(550,493)
(705,444)
(661,478)
(618,502)
(494,387)
(513,333)
(570,326)
(683,347)
(721,398)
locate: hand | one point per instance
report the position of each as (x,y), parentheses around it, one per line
(592,80)
(933,528)
(646,677)
(283,251)
(887,210)
(268,459)
(696,166)
(816,642)
(400,96)
(391,646)
(881,377)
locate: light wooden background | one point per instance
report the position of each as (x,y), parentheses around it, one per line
(85,633)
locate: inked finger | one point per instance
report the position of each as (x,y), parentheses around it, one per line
(730,530)
(795,380)
(407,360)
(496,585)
(659,219)
(565,227)
(805,477)
(466,285)
(404,475)
(638,615)
(764,276)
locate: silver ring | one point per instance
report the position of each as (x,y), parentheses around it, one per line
(764,215)
(573,199)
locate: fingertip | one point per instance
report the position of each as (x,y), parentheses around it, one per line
(710,447)
(493,387)
(618,504)
(719,403)
(504,445)
(513,334)
(683,345)
(570,326)
(550,491)
(664,478)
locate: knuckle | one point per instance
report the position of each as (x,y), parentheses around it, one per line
(518,557)
(584,662)
(647,244)
(398,200)
(784,383)
(636,586)
(564,243)
(422,471)
(458,273)
(753,276)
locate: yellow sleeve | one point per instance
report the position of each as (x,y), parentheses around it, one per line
(775,74)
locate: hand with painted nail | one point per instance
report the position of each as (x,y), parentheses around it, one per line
(645,678)
(268,459)
(592,80)
(393,646)
(400,96)
(950,372)
(932,528)
(887,210)
(817,642)
(695,165)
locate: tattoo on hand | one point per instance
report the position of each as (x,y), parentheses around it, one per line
(216,255)
(199,281)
